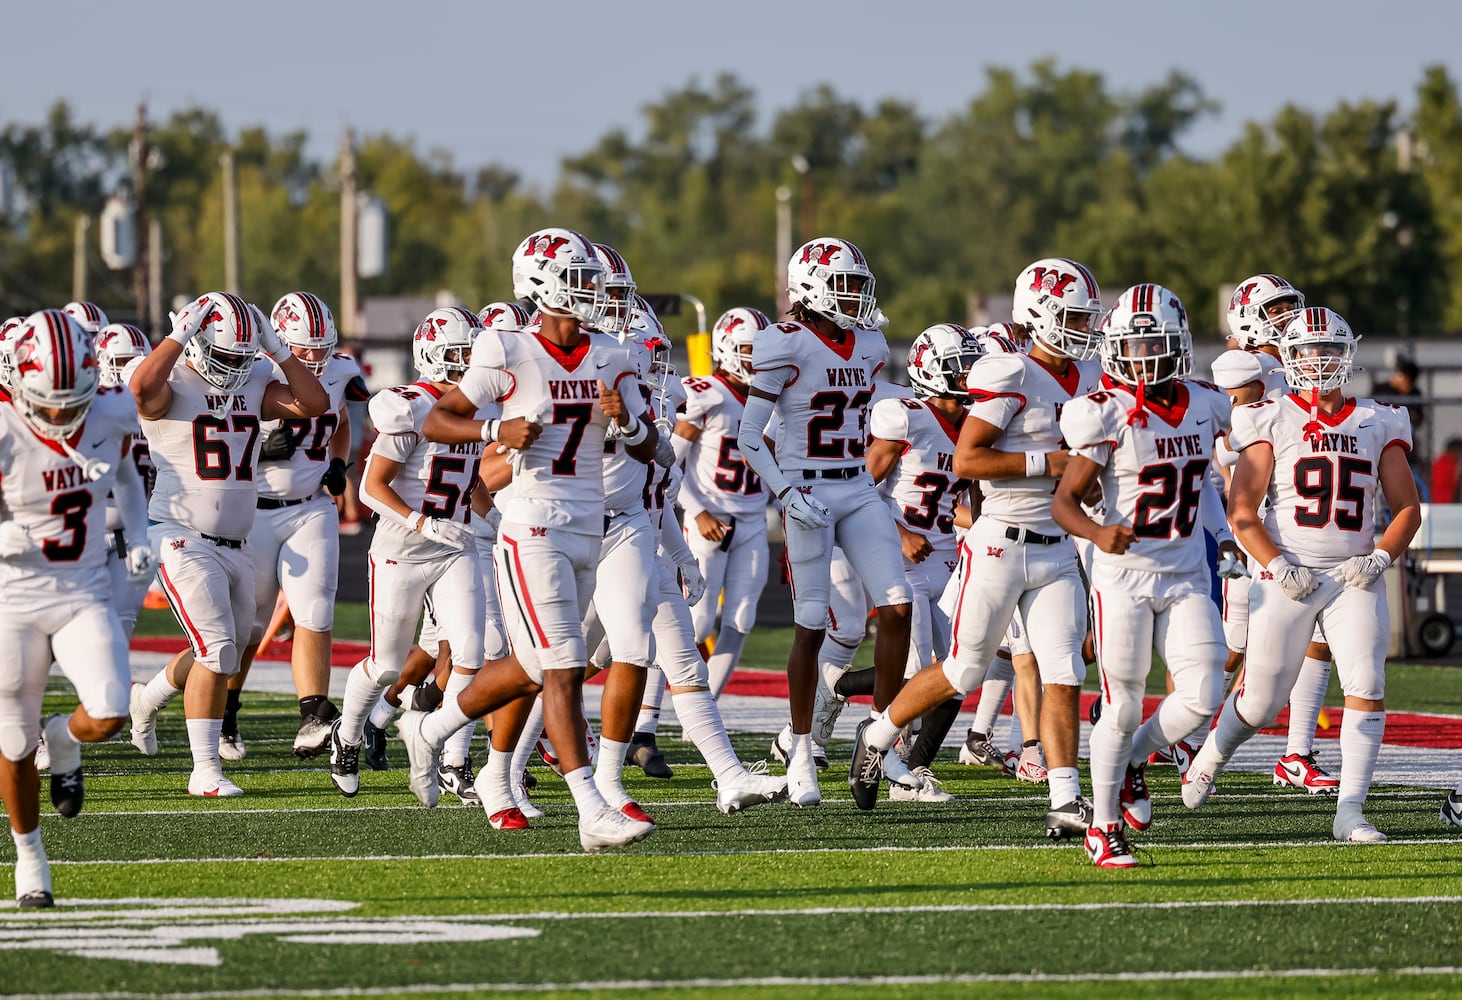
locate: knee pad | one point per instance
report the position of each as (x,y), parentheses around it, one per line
(224,661)
(964,677)
(1067,671)
(1205,698)
(381,676)
(19,742)
(811,614)
(686,671)
(317,615)
(1125,713)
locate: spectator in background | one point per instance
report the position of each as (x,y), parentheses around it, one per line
(1446,471)
(1403,383)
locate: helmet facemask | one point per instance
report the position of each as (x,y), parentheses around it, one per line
(226,371)
(1148,356)
(1322,365)
(1070,332)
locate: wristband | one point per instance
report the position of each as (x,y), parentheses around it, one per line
(1035,464)
(636,436)
(489,430)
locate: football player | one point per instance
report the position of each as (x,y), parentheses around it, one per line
(202,421)
(1319,457)
(61,443)
(1258,311)
(723,498)
(560,387)
(818,371)
(1020,558)
(1147,440)
(424,551)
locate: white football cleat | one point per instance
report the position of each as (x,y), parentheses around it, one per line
(1032,765)
(212,786)
(1351,826)
(424,759)
(827,705)
(802,788)
(144,724)
(43,755)
(1135,798)
(749,789)
(1198,785)
(611,828)
(231,746)
(524,804)
(927,790)
(1107,847)
(1452,808)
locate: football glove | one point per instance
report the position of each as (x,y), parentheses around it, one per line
(1362,571)
(692,580)
(1297,582)
(15,540)
(448,533)
(805,509)
(141,564)
(334,479)
(1231,567)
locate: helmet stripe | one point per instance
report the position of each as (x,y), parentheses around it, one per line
(56,326)
(244,320)
(316,319)
(1091,285)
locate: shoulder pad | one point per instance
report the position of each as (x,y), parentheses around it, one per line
(1087,420)
(400,409)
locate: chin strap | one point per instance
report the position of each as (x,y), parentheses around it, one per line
(1138,414)
(1312,428)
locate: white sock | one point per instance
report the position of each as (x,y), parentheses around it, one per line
(1110,750)
(880,733)
(1173,721)
(383,713)
(835,658)
(157,692)
(648,721)
(458,746)
(495,781)
(588,800)
(609,773)
(361,695)
(32,870)
(999,679)
(703,727)
(438,726)
(724,658)
(1230,733)
(1017,737)
(528,739)
(203,735)
(1360,744)
(1064,784)
(1305,702)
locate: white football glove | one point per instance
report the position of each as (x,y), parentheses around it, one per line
(92,468)
(1231,567)
(187,323)
(15,540)
(1362,571)
(272,344)
(692,580)
(449,533)
(491,522)
(1297,582)
(805,509)
(141,564)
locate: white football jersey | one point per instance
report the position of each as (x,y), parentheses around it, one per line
(207,464)
(298,476)
(1022,395)
(1152,477)
(628,482)
(921,489)
(824,404)
(1322,495)
(436,479)
(558,481)
(43,489)
(1275,385)
(715,472)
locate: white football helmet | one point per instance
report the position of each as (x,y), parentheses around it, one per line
(1318,350)
(619,286)
(88,314)
(116,346)
(1061,303)
(8,330)
(940,359)
(227,344)
(732,337)
(1145,337)
(305,323)
(442,345)
(1003,338)
(645,328)
(559,271)
(509,317)
(829,277)
(56,374)
(1260,309)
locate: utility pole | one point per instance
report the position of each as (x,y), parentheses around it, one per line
(230,222)
(784,248)
(78,258)
(154,275)
(346,317)
(140,220)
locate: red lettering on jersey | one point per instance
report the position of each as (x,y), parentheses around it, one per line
(538,532)
(789,327)
(994,552)
(823,252)
(177,543)
(561,388)
(1051,282)
(548,246)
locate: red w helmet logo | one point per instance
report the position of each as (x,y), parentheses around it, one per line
(285,315)
(823,252)
(25,358)
(1242,295)
(1051,281)
(732,324)
(548,246)
(490,317)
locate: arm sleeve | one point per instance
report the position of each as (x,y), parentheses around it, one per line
(754,450)
(672,542)
(1211,513)
(131,496)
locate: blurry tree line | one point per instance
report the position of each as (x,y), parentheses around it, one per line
(1361,205)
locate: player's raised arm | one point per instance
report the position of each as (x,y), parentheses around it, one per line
(149,380)
(300,394)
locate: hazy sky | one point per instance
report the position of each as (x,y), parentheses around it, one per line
(525,83)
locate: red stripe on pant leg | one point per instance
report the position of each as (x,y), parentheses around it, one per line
(523,590)
(1098,632)
(372,604)
(966,562)
(167,584)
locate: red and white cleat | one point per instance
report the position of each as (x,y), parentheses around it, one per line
(1107,847)
(508,819)
(1300,771)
